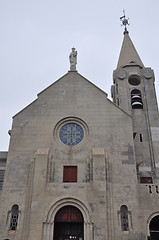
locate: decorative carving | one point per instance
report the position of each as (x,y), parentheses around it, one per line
(121,73)
(147,73)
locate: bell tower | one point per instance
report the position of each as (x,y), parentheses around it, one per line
(134,92)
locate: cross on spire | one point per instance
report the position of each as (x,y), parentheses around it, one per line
(124,22)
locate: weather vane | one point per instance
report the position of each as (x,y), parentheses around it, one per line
(124,22)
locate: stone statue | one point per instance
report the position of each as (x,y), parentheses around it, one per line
(73,59)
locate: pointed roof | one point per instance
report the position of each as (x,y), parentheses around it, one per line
(128,53)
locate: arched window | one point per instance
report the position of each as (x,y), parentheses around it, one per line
(154,228)
(14,217)
(136,99)
(68,224)
(124,218)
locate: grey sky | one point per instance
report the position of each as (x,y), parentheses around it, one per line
(37,37)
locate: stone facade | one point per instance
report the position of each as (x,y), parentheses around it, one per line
(80,166)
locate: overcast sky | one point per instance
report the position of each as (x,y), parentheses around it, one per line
(36,37)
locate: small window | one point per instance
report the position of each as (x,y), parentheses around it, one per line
(134,135)
(2,172)
(146,180)
(141,140)
(124,218)
(70,174)
(14,217)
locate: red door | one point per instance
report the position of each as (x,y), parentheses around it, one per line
(68,224)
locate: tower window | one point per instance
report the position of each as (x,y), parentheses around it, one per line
(14,217)
(70,174)
(2,172)
(134,135)
(134,80)
(141,137)
(136,99)
(124,218)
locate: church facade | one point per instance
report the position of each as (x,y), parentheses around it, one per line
(83,167)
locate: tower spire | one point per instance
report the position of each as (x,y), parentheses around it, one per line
(128,53)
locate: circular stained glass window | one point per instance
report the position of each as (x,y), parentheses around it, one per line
(71,134)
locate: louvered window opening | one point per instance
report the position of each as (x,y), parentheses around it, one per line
(136,99)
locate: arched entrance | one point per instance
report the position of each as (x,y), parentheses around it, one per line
(68,224)
(154,228)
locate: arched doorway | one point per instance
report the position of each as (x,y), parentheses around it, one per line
(69,224)
(154,228)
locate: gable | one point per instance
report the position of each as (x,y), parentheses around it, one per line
(71,78)
(71,98)
(72,91)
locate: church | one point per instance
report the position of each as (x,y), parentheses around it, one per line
(83,167)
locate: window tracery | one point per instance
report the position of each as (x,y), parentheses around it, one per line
(124,218)
(14,217)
